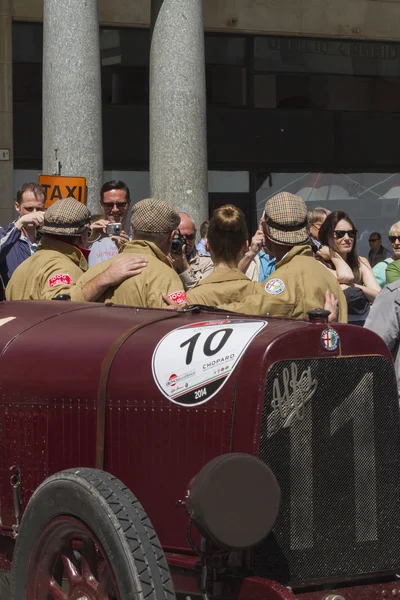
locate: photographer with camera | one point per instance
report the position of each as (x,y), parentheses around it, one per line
(191,265)
(109,229)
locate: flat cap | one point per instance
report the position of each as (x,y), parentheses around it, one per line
(154,216)
(285,217)
(66,217)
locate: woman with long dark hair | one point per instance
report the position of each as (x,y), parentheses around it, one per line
(339,253)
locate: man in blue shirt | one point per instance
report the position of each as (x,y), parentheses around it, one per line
(18,241)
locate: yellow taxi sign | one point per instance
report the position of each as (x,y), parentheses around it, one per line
(57,187)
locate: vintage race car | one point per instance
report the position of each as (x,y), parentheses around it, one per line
(147,453)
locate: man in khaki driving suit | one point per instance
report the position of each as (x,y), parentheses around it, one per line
(60,260)
(299,282)
(153,224)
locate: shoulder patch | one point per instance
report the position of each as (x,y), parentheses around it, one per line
(274,286)
(178,297)
(59,279)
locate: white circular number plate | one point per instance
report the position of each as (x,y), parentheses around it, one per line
(192,363)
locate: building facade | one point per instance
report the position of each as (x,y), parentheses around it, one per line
(302,95)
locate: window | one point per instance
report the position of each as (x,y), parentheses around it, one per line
(225,50)
(127,47)
(226,86)
(125,70)
(27,43)
(313,74)
(226,72)
(125,85)
(27,62)
(341,57)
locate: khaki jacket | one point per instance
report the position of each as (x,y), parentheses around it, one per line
(53,270)
(297,285)
(200,266)
(223,286)
(145,289)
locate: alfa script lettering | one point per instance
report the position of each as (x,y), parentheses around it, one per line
(289,401)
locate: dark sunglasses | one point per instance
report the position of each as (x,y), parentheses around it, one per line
(394,238)
(189,237)
(111,205)
(373,239)
(340,233)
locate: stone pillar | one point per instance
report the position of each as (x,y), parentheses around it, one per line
(178,127)
(6,114)
(72,102)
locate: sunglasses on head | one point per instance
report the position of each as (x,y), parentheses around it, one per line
(340,233)
(394,238)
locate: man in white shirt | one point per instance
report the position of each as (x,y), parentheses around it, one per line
(115,202)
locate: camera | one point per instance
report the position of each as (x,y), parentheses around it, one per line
(114,228)
(178,241)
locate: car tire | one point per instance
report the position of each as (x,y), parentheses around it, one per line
(110,519)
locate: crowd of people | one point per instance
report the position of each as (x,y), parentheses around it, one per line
(295,262)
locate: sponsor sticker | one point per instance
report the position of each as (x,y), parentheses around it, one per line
(191,363)
(274,286)
(330,339)
(178,297)
(60,278)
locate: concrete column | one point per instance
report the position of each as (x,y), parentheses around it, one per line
(178,128)
(6,113)
(72,93)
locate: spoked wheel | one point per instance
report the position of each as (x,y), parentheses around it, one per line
(85,536)
(72,564)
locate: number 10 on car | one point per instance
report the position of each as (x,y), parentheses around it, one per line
(191,363)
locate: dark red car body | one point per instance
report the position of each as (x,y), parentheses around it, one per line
(77,388)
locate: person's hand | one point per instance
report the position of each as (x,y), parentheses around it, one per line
(171,305)
(179,261)
(332,305)
(34,218)
(123,268)
(325,253)
(120,239)
(257,242)
(99,227)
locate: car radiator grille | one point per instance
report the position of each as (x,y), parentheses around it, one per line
(330,433)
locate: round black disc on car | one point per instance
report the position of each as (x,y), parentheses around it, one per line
(234,501)
(85,535)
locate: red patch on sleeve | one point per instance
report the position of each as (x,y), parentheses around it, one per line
(60,278)
(178,297)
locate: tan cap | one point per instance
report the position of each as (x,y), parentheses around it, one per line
(285,217)
(154,216)
(66,217)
